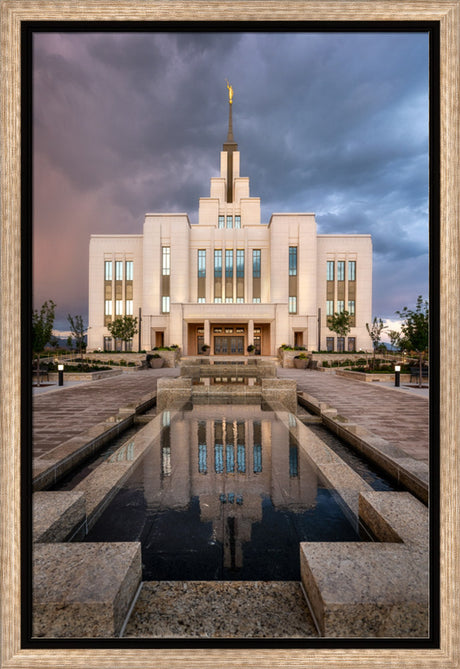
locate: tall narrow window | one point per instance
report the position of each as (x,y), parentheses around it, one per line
(108,308)
(240,275)
(217,275)
(340,306)
(166,263)
(257,447)
(293,305)
(129,307)
(118,307)
(351,307)
(293,261)
(108,270)
(256,287)
(329,307)
(237,221)
(352,270)
(119,270)
(229,222)
(229,263)
(201,275)
(221,221)
(330,270)
(256,263)
(341,270)
(293,279)
(229,275)
(201,263)
(129,270)
(165,279)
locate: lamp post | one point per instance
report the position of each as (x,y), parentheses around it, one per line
(397,375)
(60,375)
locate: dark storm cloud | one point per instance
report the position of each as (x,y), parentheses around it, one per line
(129,123)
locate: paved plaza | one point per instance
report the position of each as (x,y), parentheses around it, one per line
(399,416)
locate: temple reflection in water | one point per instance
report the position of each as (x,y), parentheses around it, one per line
(224,456)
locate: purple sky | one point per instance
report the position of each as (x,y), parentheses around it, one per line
(331,123)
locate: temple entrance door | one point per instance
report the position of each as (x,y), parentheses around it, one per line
(228,345)
(159,338)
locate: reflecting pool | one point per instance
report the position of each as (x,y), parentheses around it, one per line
(224,493)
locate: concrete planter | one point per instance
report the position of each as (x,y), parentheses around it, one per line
(156,363)
(370,378)
(300,363)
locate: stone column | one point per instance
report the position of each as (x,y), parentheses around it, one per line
(207,333)
(250,331)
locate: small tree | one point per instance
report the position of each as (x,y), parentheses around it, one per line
(395,339)
(42,330)
(415,330)
(340,323)
(124,328)
(375,333)
(78,331)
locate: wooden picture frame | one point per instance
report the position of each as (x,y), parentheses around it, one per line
(13,12)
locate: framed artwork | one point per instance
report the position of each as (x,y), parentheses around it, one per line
(66,42)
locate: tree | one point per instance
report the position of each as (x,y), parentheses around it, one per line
(340,323)
(415,330)
(375,333)
(78,331)
(42,330)
(124,328)
(395,339)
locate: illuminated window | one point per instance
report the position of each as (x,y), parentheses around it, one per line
(166,263)
(165,303)
(340,306)
(330,270)
(293,305)
(352,270)
(329,307)
(341,270)
(201,300)
(201,262)
(118,307)
(129,307)
(108,270)
(129,270)
(108,308)
(221,221)
(229,222)
(293,261)
(256,300)
(237,221)
(119,270)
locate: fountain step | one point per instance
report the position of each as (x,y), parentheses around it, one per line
(220,609)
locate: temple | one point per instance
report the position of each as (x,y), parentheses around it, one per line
(230,281)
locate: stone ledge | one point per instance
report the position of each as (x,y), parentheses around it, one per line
(58,515)
(83,590)
(373,589)
(412,474)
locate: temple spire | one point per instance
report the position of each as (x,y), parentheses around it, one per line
(230,145)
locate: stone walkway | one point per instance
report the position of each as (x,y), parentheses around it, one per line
(62,413)
(400,417)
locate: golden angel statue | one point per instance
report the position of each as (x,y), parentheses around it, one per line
(230,91)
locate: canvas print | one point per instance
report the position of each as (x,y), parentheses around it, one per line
(230,335)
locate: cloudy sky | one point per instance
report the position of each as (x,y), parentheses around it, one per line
(331,123)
